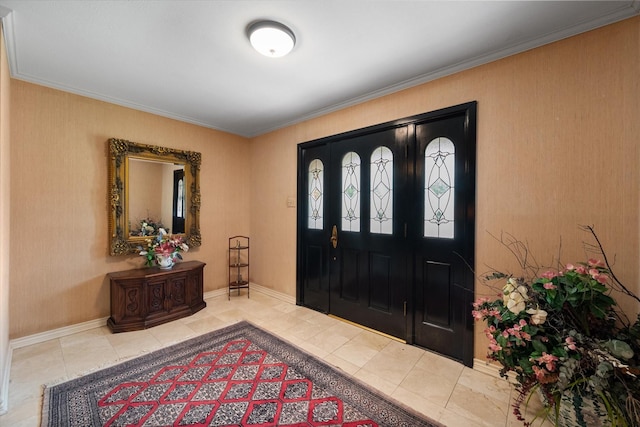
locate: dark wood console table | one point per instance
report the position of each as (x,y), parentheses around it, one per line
(147,297)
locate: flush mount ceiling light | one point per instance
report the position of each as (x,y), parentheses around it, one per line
(271,38)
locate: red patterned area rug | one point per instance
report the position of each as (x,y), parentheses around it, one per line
(236,376)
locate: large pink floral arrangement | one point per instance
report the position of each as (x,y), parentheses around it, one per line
(561,332)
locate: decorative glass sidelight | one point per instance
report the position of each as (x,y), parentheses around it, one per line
(439,159)
(351,192)
(381,191)
(180,199)
(315,206)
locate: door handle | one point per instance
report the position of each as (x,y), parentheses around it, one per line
(334,237)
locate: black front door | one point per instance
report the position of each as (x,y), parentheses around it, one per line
(368,251)
(179,214)
(444,242)
(313,226)
(385,236)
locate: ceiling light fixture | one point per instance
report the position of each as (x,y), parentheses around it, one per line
(271,38)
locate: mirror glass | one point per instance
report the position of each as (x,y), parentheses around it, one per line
(156,197)
(152,187)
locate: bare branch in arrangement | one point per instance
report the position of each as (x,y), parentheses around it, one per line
(601,251)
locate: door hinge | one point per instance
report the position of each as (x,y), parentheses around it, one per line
(405,309)
(405,230)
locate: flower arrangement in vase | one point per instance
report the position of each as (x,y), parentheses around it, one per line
(563,335)
(148,227)
(163,249)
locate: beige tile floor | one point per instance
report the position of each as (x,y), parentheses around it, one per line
(440,388)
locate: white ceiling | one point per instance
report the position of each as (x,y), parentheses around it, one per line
(192,61)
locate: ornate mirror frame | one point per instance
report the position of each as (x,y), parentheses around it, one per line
(121,151)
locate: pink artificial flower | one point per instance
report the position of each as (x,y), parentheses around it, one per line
(476,314)
(581,270)
(540,373)
(523,322)
(571,344)
(602,278)
(570,267)
(595,262)
(479,302)
(549,361)
(549,274)
(549,285)
(593,272)
(516,327)
(164,248)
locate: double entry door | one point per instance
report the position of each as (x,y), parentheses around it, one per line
(385,228)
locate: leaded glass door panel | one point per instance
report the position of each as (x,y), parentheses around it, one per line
(313,249)
(369,262)
(445,187)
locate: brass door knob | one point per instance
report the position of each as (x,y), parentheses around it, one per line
(334,236)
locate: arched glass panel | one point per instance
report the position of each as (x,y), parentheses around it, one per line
(381,191)
(351,192)
(180,201)
(315,195)
(439,166)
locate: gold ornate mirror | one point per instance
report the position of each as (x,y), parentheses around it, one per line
(152,187)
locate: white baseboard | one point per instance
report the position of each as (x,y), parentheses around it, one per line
(214,294)
(91,324)
(4,387)
(491,369)
(57,333)
(275,294)
(254,287)
(486,367)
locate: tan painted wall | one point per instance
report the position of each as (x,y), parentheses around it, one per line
(145,181)
(558,146)
(59,206)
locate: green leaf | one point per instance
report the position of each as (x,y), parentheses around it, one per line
(501,340)
(559,352)
(606,300)
(525,364)
(539,346)
(599,312)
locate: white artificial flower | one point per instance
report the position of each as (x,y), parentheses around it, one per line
(508,288)
(517,300)
(538,317)
(516,303)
